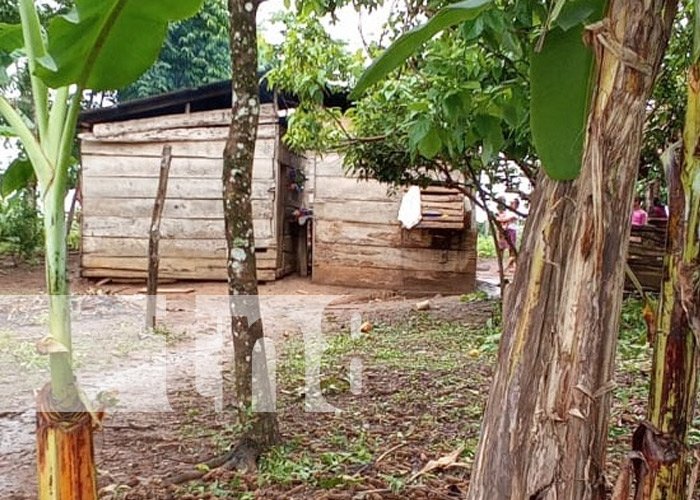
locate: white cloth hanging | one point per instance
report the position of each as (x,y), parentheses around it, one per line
(410,212)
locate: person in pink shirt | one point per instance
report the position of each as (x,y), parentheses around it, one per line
(639,215)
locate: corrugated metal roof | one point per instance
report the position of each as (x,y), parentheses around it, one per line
(207,97)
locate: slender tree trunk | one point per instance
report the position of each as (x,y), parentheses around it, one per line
(545,424)
(261,426)
(674,381)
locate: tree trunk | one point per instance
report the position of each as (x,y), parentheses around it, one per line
(674,381)
(261,430)
(545,424)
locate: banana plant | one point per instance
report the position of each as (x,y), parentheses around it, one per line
(99,45)
(674,378)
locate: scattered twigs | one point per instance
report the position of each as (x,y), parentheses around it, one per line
(130,425)
(380,458)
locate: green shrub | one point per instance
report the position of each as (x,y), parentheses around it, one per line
(485,247)
(74,234)
(21,232)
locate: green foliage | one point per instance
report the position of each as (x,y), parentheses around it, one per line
(668,100)
(409,43)
(21,353)
(310,64)
(74,235)
(634,346)
(477,296)
(562,76)
(89,46)
(196,52)
(19,174)
(461,103)
(485,246)
(21,232)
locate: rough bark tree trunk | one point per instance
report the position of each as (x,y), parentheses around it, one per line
(674,381)
(545,424)
(261,429)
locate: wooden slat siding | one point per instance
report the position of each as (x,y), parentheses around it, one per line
(138,247)
(120,162)
(394,279)
(358,240)
(410,259)
(383,235)
(198,119)
(357,211)
(174,209)
(329,165)
(184,149)
(133,187)
(182,167)
(193,271)
(186,229)
(214,250)
(348,188)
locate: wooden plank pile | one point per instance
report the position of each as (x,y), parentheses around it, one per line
(646,255)
(442,208)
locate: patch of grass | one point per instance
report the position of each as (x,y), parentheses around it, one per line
(73,240)
(634,350)
(171,337)
(477,296)
(22,353)
(215,489)
(485,247)
(283,465)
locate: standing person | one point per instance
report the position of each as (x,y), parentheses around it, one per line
(657,211)
(639,215)
(509,224)
(500,217)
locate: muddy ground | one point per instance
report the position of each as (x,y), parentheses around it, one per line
(170,408)
(424,380)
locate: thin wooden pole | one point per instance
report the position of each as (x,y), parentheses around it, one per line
(154,238)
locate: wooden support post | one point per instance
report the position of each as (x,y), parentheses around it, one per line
(154,238)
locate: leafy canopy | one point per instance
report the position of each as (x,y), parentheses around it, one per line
(196,52)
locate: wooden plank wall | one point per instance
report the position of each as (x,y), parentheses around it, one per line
(120,174)
(358,240)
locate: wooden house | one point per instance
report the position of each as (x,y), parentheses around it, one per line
(120,150)
(358,240)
